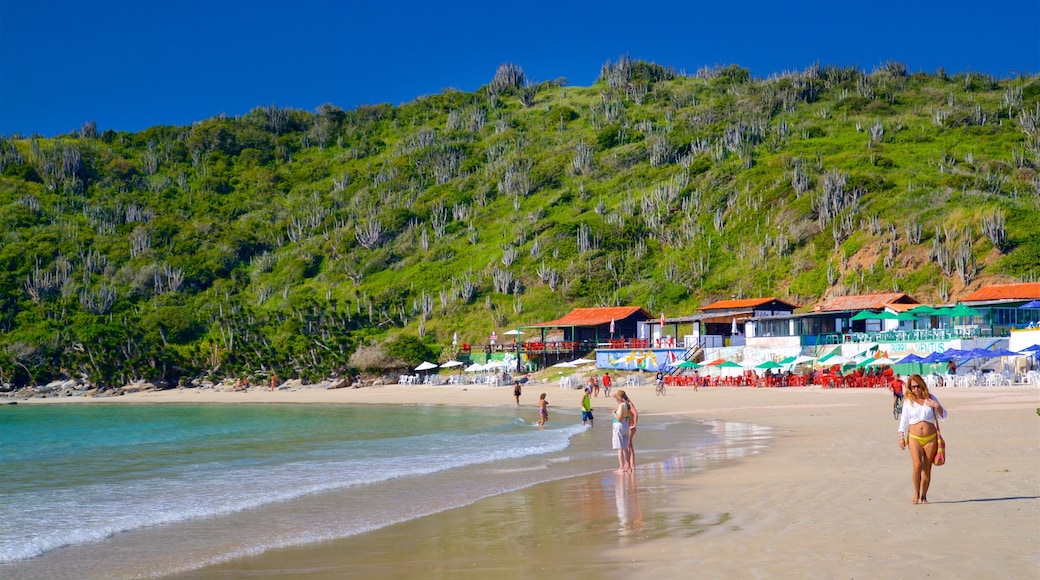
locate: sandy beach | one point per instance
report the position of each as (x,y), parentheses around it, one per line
(828,496)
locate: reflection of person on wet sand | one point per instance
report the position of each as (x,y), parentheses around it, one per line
(630,516)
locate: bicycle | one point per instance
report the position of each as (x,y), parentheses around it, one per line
(897,408)
(659,389)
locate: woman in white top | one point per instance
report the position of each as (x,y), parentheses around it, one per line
(917,430)
(619,431)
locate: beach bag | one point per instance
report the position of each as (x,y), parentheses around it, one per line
(940,453)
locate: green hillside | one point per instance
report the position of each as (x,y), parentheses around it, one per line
(284,240)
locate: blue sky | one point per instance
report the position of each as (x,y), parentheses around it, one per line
(129,65)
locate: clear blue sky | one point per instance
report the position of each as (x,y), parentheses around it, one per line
(128,65)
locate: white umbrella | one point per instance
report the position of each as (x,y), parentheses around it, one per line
(802,359)
(883,361)
(475,368)
(511,333)
(564,365)
(581,361)
(451,363)
(425,366)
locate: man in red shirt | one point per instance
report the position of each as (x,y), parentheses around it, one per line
(896,386)
(606,384)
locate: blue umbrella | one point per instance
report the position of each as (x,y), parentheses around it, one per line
(910,358)
(991,353)
(1034,348)
(936,357)
(1031,304)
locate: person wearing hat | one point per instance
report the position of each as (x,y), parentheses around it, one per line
(619,431)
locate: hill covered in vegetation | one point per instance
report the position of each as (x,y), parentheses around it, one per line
(287,241)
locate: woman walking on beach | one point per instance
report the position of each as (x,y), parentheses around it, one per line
(543,410)
(917,430)
(633,419)
(619,431)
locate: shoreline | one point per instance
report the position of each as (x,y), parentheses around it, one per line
(830,496)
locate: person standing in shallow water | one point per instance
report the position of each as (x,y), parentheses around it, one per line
(516,392)
(586,408)
(543,410)
(619,432)
(633,419)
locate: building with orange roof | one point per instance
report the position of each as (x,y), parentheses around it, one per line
(865,302)
(1023,291)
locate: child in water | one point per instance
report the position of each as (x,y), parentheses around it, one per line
(543,410)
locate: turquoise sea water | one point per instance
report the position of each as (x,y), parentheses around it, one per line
(96,491)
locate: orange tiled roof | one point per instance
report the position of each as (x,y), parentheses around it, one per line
(865,301)
(594,316)
(743,303)
(1022,291)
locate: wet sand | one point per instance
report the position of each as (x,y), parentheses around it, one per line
(828,496)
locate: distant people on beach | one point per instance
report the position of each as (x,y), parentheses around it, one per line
(543,410)
(951,367)
(516,392)
(619,431)
(918,432)
(274,381)
(606,384)
(633,419)
(660,379)
(586,408)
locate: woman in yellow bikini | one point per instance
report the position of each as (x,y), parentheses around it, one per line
(917,431)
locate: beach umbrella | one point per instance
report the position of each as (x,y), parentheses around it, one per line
(883,361)
(801,359)
(688,364)
(475,368)
(425,366)
(868,315)
(581,361)
(991,353)
(728,364)
(936,357)
(1034,348)
(564,365)
(923,310)
(769,365)
(1030,304)
(451,363)
(787,361)
(956,353)
(908,359)
(962,310)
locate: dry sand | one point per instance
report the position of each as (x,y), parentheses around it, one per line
(828,498)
